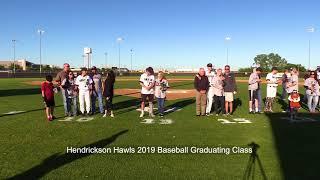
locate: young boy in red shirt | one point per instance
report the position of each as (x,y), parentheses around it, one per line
(294,99)
(47,91)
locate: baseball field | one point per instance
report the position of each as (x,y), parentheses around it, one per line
(33,148)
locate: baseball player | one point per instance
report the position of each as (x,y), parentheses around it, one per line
(210,73)
(84,83)
(272,84)
(147,82)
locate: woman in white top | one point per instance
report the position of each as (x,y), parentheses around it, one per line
(312,86)
(161,86)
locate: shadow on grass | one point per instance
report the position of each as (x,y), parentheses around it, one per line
(250,171)
(237,103)
(127,105)
(17,92)
(55,161)
(24,112)
(297,144)
(179,104)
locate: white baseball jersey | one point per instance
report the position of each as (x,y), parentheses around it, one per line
(83,82)
(147,81)
(272,85)
(272,79)
(210,76)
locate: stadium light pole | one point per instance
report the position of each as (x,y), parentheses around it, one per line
(131,53)
(40,49)
(310,31)
(106,58)
(14,57)
(227,39)
(119,40)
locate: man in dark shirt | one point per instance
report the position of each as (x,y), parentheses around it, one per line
(60,77)
(201,84)
(230,89)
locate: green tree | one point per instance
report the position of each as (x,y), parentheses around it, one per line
(2,67)
(297,66)
(245,69)
(17,66)
(267,61)
(46,68)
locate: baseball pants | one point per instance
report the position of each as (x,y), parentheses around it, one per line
(84,101)
(210,100)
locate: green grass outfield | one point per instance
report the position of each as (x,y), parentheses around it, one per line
(32,147)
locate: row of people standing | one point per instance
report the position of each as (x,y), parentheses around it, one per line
(311,86)
(86,89)
(215,87)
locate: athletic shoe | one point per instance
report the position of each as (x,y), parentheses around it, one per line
(251,112)
(105,115)
(49,118)
(217,115)
(198,115)
(208,114)
(142,114)
(151,115)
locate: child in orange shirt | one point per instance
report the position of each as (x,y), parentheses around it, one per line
(294,104)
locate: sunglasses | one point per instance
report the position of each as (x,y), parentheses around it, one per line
(226,69)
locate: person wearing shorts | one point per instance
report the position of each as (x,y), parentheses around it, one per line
(272,85)
(47,91)
(230,88)
(147,82)
(253,87)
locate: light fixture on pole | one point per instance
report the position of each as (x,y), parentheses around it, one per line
(14,57)
(106,59)
(310,30)
(40,46)
(131,53)
(227,39)
(119,40)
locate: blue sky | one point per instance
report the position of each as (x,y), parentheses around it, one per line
(162,33)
